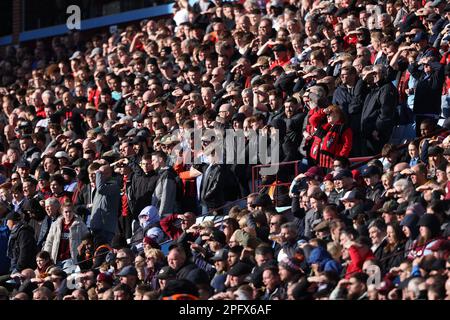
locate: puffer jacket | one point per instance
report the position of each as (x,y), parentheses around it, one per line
(78,230)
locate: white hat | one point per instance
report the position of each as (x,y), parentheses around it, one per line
(75,55)
(61,154)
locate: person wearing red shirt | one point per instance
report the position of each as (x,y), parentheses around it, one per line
(282,56)
(171,229)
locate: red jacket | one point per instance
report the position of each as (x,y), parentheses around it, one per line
(358,255)
(330,141)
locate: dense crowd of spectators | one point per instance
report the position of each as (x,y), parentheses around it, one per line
(98,175)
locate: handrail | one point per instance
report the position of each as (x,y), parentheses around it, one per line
(356,164)
(439,131)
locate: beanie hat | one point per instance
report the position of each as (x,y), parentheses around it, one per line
(432,222)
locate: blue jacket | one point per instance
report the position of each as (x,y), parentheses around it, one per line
(326,263)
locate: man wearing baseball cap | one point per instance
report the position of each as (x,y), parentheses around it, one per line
(281,54)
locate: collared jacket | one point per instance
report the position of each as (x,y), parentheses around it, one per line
(78,230)
(212,186)
(22,247)
(378,113)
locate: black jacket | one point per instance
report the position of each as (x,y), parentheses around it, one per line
(392,259)
(294,136)
(84,198)
(142,187)
(212,187)
(378,113)
(374,193)
(22,248)
(427,99)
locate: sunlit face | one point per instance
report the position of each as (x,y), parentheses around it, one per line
(391,237)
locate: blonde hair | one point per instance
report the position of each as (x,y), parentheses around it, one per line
(154,253)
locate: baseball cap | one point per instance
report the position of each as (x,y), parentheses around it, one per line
(262,61)
(279,47)
(370,171)
(389,207)
(314,173)
(128,271)
(419,37)
(166,273)
(166,65)
(219,236)
(240,269)
(95,51)
(61,154)
(352,195)
(44,176)
(80,162)
(220,255)
(14,216)
(342,174)
(75,55)
(23,164)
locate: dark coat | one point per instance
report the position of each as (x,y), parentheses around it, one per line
(374,193)
(293,137)
(84,197)
(212,187)
(22,248)
(142,187)
(378,114)
(427,99)
(392,259)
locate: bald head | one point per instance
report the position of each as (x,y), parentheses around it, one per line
(218,75)
(147,96)
(399,167)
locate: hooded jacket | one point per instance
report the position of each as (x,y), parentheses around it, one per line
(430,221)
(150,228)
(410,221)
(326,263)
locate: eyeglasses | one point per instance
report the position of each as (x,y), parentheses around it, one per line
(121,258)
